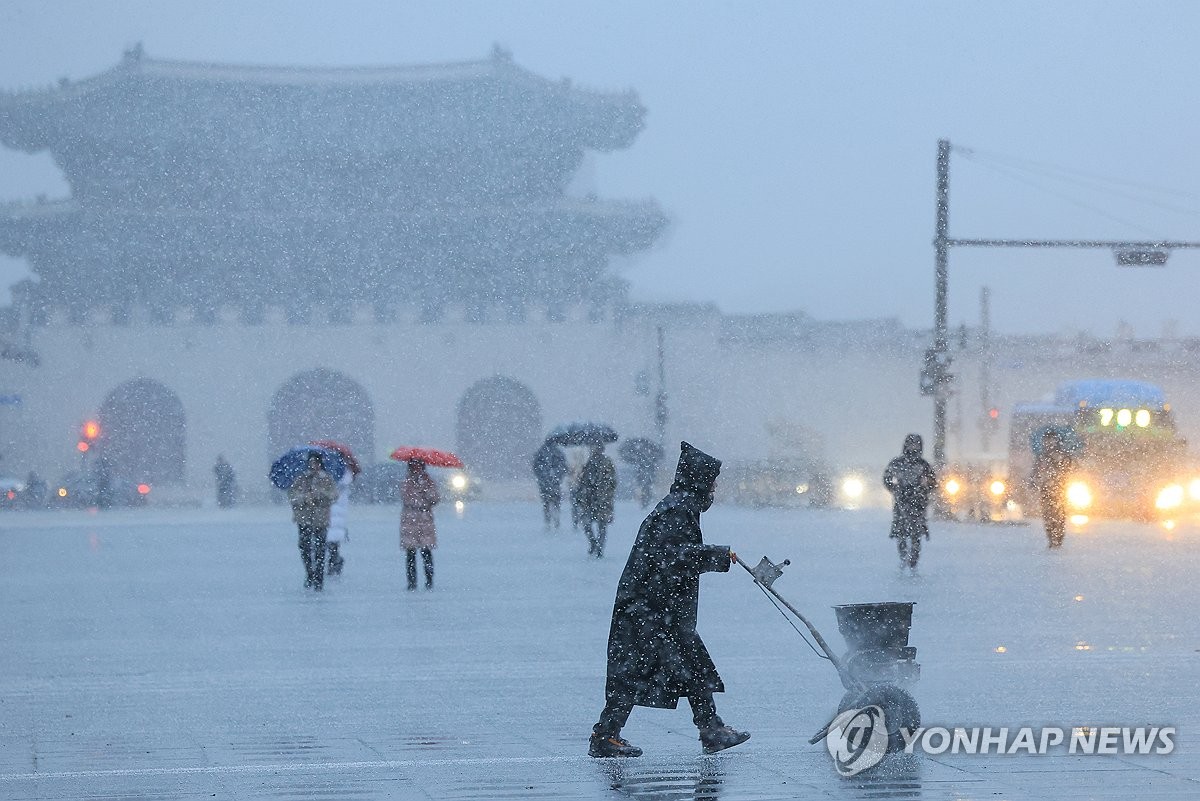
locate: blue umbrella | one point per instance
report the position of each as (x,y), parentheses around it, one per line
(1070,439)
(287,468)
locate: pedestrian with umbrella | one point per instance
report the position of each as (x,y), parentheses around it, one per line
(597,487)
(579,434)
(311,495)
(340,511)
(655,655)
(550,468)
(419,494)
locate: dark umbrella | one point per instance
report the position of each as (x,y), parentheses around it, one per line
(639,450)
(287,468)
(582,434)
(341,448)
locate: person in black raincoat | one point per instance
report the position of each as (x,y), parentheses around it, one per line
(550,468)
(597,488)
(1051,466)
(655,656)
(910,479)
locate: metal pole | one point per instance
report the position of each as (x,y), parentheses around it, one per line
(660,399)
(985,367)
(941,241)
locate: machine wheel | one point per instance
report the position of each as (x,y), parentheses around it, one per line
(900,710)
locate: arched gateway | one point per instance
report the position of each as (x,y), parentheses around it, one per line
(499,427)
(322,404)
(144,432)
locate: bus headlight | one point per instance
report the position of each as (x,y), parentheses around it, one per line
(1079,495)
(852,488)
(952,487)
(458,481)
(1169,497)
(1194,489)
(997,488)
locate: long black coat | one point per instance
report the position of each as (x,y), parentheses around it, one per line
(655,656)
(911,480)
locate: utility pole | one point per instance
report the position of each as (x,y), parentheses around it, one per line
(936,379)
(660,399)
(987,422)
(941,273)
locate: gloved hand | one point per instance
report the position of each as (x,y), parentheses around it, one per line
(732,557)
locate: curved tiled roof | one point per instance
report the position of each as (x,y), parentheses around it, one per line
(608,119)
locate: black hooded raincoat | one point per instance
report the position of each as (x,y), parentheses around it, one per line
(655,656)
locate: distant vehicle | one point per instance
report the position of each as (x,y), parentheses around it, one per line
(1130,460)
(78,489)
(977,490)
(768,482)
(380,483)
(458,485)
(11,493)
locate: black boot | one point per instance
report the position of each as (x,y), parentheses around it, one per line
(601,747)
(718,739)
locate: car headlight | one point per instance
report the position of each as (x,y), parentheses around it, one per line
(459,481)
(1169,497)
(997,488)
(952,487)
(1194,489)
(1079,495)
(853,488)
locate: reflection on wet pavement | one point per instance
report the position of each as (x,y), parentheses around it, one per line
(158,668)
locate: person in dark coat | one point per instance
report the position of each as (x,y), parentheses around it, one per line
(597,487)
(1050,470)
(226,482)
(311,495)
(655,656)
(910,479)
(550,468)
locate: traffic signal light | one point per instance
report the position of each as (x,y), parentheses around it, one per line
(89,432)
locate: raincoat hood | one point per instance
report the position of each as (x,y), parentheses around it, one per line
(696,472)
(913,445)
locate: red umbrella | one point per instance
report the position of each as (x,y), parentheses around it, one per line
(341,448)
(430,456)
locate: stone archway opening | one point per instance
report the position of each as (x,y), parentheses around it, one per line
(144,433)
(322,404)
(499,428)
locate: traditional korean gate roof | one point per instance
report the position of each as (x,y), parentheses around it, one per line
(204,184)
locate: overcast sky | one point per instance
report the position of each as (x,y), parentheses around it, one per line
(792,143)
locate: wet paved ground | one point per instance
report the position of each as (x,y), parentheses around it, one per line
(157,654)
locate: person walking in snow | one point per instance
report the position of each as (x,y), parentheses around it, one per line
(655,655)
(1051,468)
(910,479)
(226,482)
(550,468)
(597,487)
(311,495)
(338,532)
(419,495)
